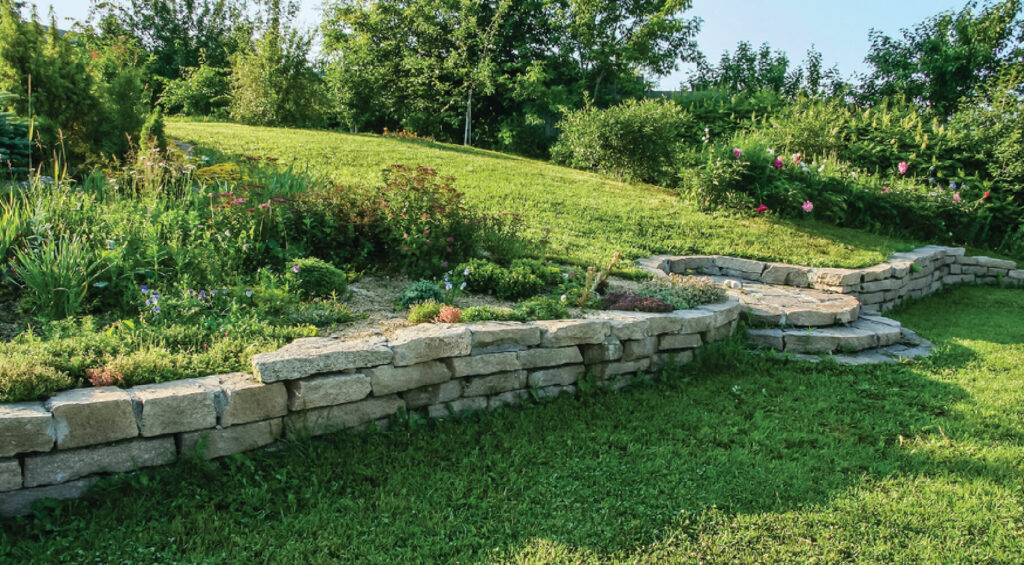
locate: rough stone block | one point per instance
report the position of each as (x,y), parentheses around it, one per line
(664,360)
(25,427)
(458,406)
(64,466)
(720,332)
(701,263)
(691,321)
(608,370)
(610,350)
(873,298)
(176,406)
(19,502)
(88,416)
(771,339)
(433,394)
(319,421)
(877,286)
(228,441)
(558,376)
(561,333)
(637,349)
(550,392)
(485,364)
(389,380)
(1016,274)
(427,342)
(510,398)
(534,358)
(672,342)
(310,356)
(624,325)
(878,272)
(10,475)
(747,267)
(243,399)
(722,312)
(997,263)
(328,390)
(496,334)
(493,384)
(835,277)
(956,269)
(791,275)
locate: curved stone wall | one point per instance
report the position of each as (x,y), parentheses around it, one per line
(60,447)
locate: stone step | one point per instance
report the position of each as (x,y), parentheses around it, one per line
(867,332)
(911,347)
(780,306)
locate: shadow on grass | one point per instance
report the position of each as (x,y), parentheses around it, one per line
(606,472)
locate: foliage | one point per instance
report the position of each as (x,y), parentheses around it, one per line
(542,308)
(57,276)
(317,279)
(152,136)
(522,279)
(272,82)
(14,142)
(449,63)
(490,313)
(425,311)
(449,315)
(946,57)
(682,292)
(420,291)
(201,91)
(632,302)
(635,140)
(762,70)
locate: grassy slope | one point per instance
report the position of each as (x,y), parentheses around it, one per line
(755,461)
(591,216)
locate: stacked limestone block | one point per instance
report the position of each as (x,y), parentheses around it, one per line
(313,386)
(879,288)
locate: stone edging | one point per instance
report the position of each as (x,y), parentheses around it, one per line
(60,447)
(879,288)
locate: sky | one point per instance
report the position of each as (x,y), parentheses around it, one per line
(837,28)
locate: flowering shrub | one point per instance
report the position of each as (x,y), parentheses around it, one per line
(632,302)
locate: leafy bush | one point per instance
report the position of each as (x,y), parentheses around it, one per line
(490,313)
(683,292)
(152,136)
(57,276)
(636,140)
(542,308)
(522,279)
(424,312)
(14,142)
(317,279)
(419,292)
(201,91)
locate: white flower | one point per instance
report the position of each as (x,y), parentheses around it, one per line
(563,299)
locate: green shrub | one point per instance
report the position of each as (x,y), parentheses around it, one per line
(522,279)
(542,308)
(317,279)
(152,136)
(637,140)
(683,292)
(491,313)
(424,312)
(201,91)
(14,143)
(633,302)
(420,291)
(57,277)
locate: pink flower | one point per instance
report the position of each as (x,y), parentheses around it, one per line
(737,152)
(778,163)
(426,232)
(986,195)
(808,206)
(238,201)
(762,209)
(280,200)
(886,189)
(265,204)
(903,167)
(797,157)
(449,239)
(956,197)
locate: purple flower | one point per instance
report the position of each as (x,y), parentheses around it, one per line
(202,294)
(248,293)
(466,272)
(737,152)
(444,264)
(156,309)
(295,268)
(144,289)
(462,286)
(447,285)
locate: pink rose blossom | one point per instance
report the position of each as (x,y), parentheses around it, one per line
(903,167)
(737,152)
(808,206)
(762,209)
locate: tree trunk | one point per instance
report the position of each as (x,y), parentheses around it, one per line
(467,137)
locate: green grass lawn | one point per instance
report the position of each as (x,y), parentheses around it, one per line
(736,459)
(591,217)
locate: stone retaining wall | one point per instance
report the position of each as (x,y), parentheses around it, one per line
(912,274)
(60,447)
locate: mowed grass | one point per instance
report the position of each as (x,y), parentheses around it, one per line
(590,216)
(736,459)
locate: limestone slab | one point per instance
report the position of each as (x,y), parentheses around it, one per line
(243,399)
(327,390)
(19,502)
(487,385)
(310,356)
(64,466)
(614,369)
(558,376)
(510,398)
(229,441)
(319,421)
(534,358)
(10,474)
(484,364)
(25,427)
(639,348)
(562,333)
(427,342)
(433,394)
(610,350)
(389,380)
(679,341)
(176,406)
(492,334)
(89,416)
(458,406)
